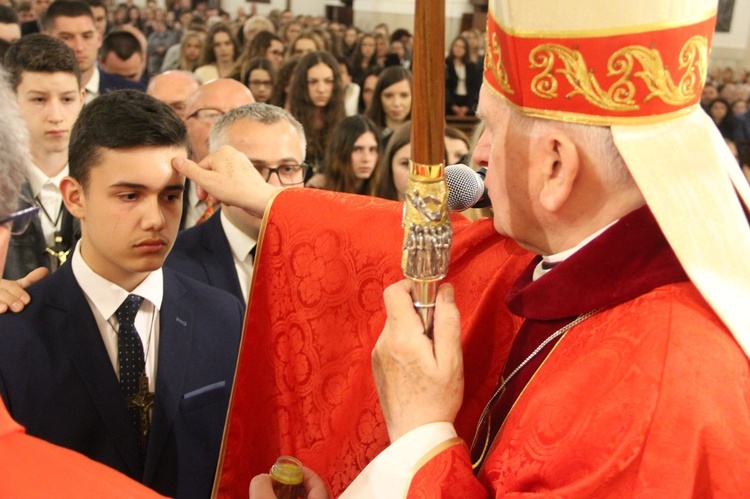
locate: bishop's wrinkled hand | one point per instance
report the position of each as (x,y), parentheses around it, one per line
(419,380)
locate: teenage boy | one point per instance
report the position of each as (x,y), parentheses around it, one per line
(45,75)
(115,357)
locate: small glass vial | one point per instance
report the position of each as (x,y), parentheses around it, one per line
(287,478)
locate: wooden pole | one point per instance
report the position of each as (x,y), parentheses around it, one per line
(427,231)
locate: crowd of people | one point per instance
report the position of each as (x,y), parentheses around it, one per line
(353,72)
(106,347)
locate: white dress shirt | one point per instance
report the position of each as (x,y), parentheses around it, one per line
(241,245)
(195,208)
(46,191)
(92,87)
(105,298)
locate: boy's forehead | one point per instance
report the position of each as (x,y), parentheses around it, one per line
(39,79)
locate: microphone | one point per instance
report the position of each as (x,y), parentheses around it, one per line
(466,188)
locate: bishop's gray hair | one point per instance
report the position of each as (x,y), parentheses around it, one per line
(257,111)
(15,158)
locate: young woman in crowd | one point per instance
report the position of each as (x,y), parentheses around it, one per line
(303,44)
(462,80)
(394,165)
(283,83)
(349,41)
(391,100)
(368,88)
(456,145)
(264,44)
(721,112)
(381,49)
(351,157)
(259,78)
(316,99)
(191,48)
(364,58)
(219,54)
(476,47)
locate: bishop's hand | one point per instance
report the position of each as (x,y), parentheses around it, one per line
(419,380)
(229,177)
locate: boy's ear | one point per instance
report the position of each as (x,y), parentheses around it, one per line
(73,197)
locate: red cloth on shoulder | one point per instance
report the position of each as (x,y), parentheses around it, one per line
(304,383)
(34,468)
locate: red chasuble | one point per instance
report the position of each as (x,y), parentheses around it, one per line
(34,468)
(304,384)
(647,398)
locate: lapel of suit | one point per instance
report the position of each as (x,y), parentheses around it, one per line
(220,268)
(175,333)
(82,338)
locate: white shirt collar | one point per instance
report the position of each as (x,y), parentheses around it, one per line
(108,296)
(239,242)
(37,179)
(92,87)
(552,260)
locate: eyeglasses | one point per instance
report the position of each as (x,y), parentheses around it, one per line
(19,221)
(260,83)
(207,115)
(288,174)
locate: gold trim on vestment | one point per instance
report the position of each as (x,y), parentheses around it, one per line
(258,246)
(589,119)
(599,33)
(427,457)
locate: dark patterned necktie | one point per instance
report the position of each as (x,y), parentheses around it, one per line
(130,355)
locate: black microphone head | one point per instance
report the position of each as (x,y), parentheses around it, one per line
(465,187)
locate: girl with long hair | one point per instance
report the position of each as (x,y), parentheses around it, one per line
(352,156)
(391,101)
(316,99)
(191,48)
(219,54)
(394,165)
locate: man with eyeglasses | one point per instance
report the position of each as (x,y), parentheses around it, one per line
(220,252)
(204,108)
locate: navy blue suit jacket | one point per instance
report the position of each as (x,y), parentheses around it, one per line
(203,253)
(56,379)
(109,82)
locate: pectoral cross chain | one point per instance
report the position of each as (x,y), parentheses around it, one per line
(143,400)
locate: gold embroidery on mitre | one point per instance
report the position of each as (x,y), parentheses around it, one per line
(495,63)
(621,96)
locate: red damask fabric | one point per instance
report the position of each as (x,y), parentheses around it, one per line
(304,384)
(34,468)
(648,399)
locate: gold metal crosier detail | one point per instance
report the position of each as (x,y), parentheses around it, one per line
(621,96)
(495,64)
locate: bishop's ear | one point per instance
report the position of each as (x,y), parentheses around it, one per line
(73,197)
(560,166)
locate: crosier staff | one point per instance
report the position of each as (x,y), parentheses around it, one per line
(427,230)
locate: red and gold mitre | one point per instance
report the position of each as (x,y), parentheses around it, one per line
(599,63)
(638,67)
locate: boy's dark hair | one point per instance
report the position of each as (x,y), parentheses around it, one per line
(97,3)
(8,15)
(123,119)
(40,54)
(65,8)
(123,43)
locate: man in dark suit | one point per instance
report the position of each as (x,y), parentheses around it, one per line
(45,76)
(73,22)
(220,251)
(115,357)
